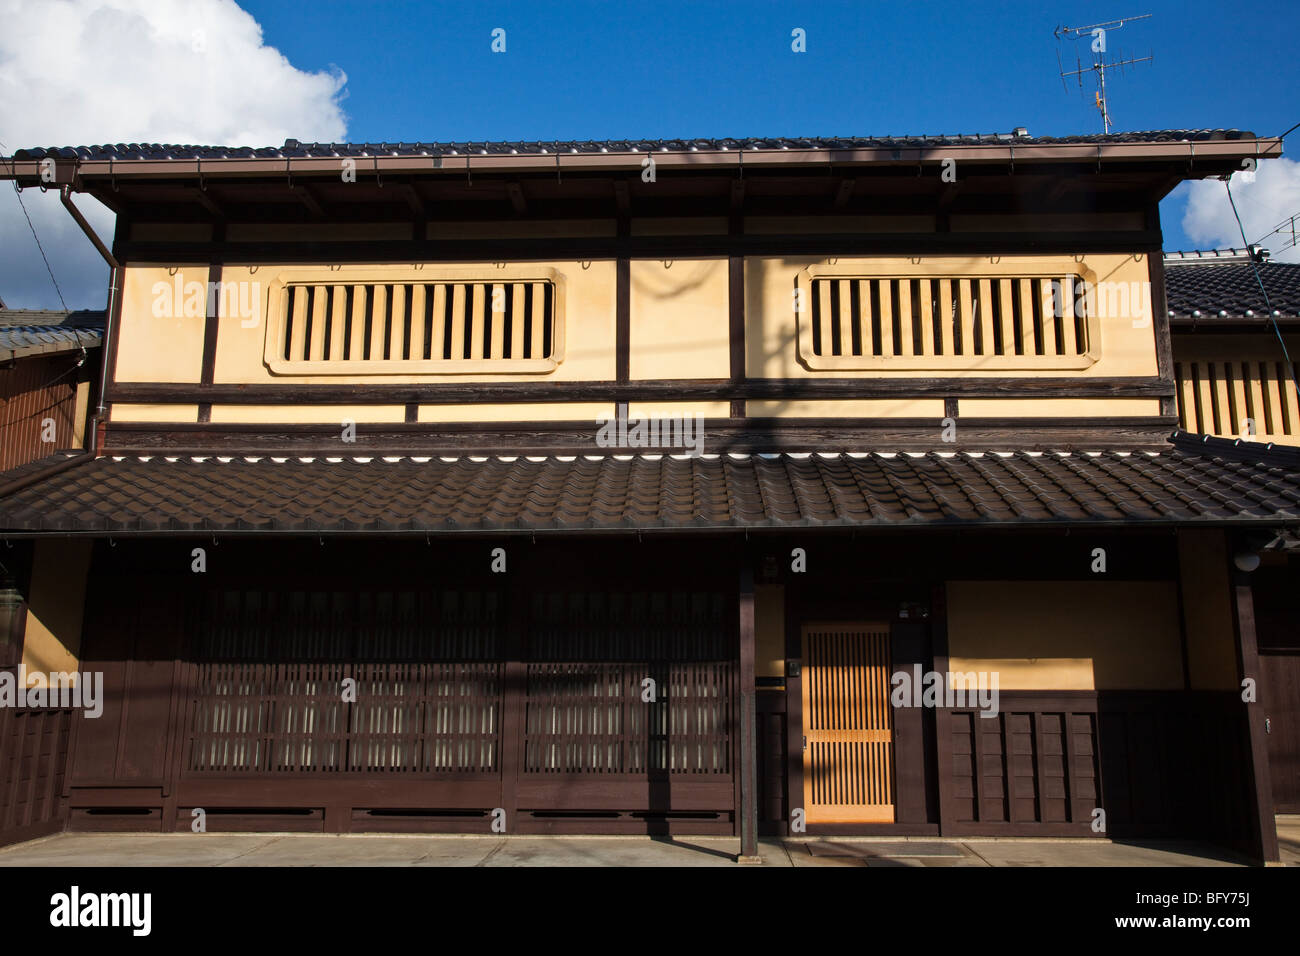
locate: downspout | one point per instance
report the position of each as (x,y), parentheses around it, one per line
(114,284)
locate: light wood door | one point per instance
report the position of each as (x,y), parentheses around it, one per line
(848,760)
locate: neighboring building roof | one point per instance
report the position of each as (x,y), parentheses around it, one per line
(1212,287)
(293,148)
(46,332)
(1187,483)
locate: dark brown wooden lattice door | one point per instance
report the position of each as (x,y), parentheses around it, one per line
(848,762)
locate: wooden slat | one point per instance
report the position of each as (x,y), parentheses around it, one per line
(1030,290)
(539,320)
(1225,417)
(298,323)
(416,309)
(982,321)
(397,322)
(378,314)
(518,345)
(1187,420)
(825,318)
(1240,408)
(1068,322)
(965,316)
(903,308)
(943,293)
(887,344)
(926,316)
(496,345)
(459,322)
(1004,289)
(1255,398)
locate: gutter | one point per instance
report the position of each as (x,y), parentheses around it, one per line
(1178,151)
(114,285)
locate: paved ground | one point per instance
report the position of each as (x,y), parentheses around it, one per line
(220,849)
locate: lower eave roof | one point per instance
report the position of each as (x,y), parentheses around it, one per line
(1194,481)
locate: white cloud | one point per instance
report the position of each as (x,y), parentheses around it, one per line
(83,72)
(1262,204)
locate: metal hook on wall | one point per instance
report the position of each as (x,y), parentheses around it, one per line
(585,263)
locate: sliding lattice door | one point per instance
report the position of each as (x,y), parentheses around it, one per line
(848,731)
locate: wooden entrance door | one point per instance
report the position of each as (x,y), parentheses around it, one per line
(848,760)
(1280,695)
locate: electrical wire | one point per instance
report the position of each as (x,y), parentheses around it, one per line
(19,193)
(1268,305)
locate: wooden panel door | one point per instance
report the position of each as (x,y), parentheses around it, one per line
(848,764)
(1280,695)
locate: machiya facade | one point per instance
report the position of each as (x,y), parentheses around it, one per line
(740,487)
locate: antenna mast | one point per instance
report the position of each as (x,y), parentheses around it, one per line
(1100,64)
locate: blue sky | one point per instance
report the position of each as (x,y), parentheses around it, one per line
(663,69)
(209,71)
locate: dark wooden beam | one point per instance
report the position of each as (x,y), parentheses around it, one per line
(308,199)
(845,191)
(623,390)
(748,822)
(1262,825)
(642,247)
(1161,330)
(412,197)
(204,199)
(561,437)
(516,194)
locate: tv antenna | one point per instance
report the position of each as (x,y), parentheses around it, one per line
(1098,32)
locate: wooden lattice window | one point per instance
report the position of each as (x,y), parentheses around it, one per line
(990,316)
(482,320)
(1251,398)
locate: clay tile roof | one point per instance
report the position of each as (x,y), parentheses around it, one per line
(1204,292)
(1194,480)
(41,331)
(292,148)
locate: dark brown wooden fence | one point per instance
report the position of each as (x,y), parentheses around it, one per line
(1033,763)
(417,709)
(34,745)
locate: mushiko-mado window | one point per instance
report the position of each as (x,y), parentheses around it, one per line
(472,320)
(947,314)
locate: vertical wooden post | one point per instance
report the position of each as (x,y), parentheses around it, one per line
(1263,827)
(748,715)
(514,680)
(942,716)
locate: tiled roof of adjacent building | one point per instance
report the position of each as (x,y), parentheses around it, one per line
(1209,289)
(294,149)
(1190,482)
(45,332)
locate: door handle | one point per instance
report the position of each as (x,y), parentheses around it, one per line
(1268,726)
(805,743)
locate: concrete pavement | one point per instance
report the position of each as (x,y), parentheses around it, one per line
(225,849)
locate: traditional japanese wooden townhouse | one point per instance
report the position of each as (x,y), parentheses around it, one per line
(49,372)
(610,487)
(1235,346)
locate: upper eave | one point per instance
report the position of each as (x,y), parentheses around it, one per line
(1182,150)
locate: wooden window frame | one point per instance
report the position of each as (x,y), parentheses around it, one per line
(969,268)
(276,319)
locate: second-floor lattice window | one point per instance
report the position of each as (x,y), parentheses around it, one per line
(997,319)
(474,321)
